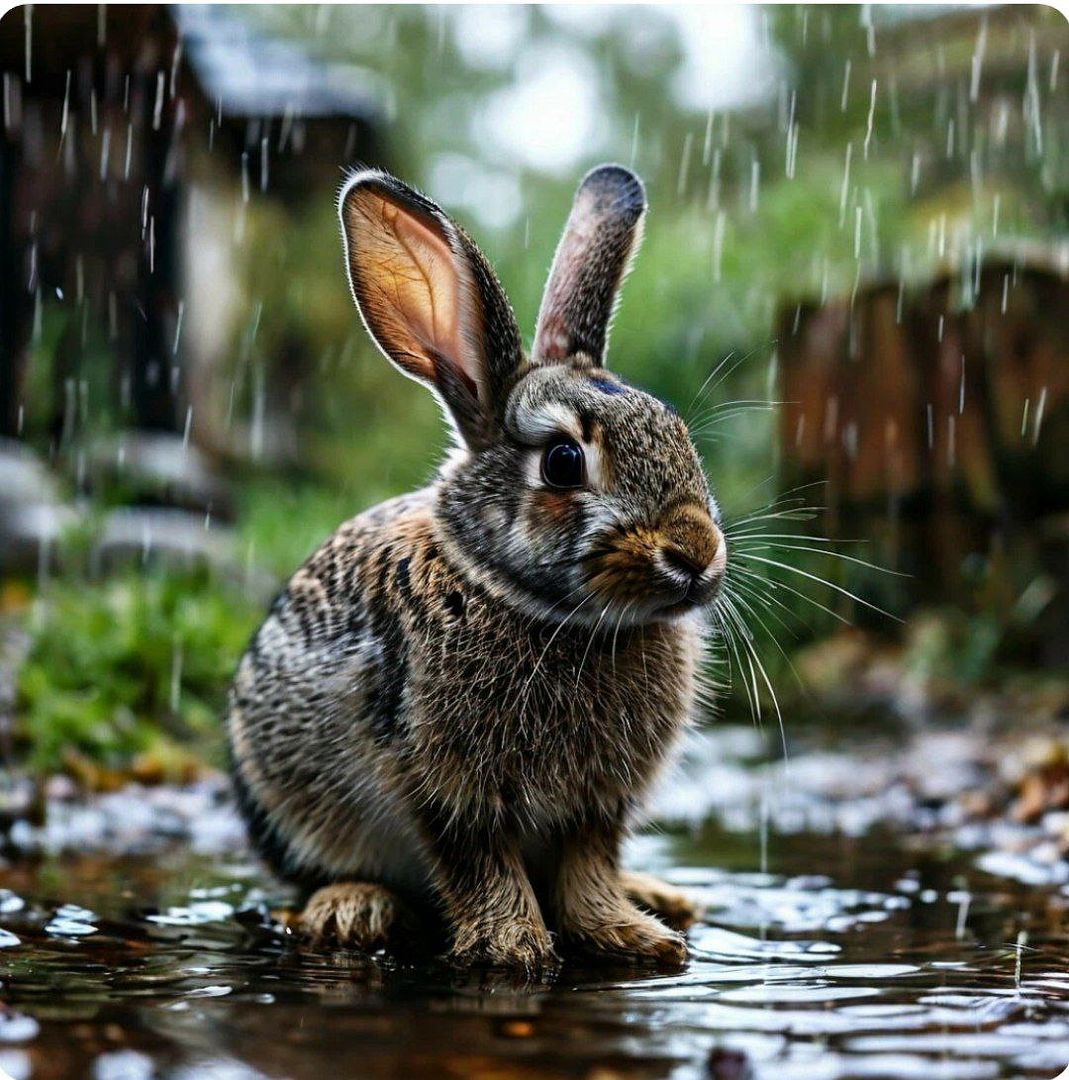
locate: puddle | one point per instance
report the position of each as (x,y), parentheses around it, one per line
(899,959)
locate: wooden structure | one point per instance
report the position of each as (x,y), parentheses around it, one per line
(939,420)
(101,108)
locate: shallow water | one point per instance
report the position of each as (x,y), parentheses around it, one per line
(893,963)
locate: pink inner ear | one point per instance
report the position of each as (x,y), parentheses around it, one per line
(415,293)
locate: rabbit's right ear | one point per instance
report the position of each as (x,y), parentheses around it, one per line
(430,300)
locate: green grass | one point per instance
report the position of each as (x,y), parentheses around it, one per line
(135,664)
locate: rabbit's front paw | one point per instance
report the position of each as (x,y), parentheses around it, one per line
(515,943)
(350,913)
(633,934)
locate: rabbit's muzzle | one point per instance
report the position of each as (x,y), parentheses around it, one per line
(669,569)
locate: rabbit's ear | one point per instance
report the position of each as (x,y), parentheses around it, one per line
(603,232)
(430,300)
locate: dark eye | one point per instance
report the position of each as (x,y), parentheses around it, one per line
(562,464)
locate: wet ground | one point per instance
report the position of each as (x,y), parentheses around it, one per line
(853,932)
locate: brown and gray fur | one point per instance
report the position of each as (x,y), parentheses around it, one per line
(464,695)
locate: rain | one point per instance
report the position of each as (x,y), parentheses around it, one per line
(851,288)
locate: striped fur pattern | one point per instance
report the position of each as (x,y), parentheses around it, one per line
(461,699)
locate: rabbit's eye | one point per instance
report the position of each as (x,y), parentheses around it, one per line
(562,464)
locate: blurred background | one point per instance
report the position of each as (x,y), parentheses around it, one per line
(853,284)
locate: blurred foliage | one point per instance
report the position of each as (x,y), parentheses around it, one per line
(136,664)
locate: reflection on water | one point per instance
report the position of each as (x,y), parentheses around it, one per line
(858,926)
(167,966)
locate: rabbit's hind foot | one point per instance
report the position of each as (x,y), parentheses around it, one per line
(673,905)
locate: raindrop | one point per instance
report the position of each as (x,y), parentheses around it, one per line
(28,39)
(870,28)
(263,163)
(102,24)
(1024,416)
(176,676)
(157,109)
(718,244)
(870,121)
(755,181)
(846,86)
(178,327)
(1040,406)
(850,440)
(245,176)
(65,115)
(846,185)
(176,59)
(1031,102)
(256,429)
(1022,941)
(792,138)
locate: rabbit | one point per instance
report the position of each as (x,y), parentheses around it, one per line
(464,695)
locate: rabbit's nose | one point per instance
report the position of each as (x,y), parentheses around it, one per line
(683,562)
(693,553)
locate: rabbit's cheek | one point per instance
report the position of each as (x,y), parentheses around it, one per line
(552,508)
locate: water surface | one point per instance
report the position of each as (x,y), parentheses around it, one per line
(825,956)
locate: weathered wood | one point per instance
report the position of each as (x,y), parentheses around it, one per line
(96,159)
(938,417)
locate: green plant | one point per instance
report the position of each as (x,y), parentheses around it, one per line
(135,663)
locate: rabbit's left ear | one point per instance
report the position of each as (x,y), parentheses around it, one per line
(603,232)
(430,300)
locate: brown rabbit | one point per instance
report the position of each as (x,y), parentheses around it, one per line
(464,695)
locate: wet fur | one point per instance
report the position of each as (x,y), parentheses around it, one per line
(427,714)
